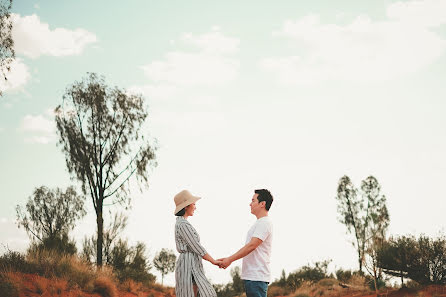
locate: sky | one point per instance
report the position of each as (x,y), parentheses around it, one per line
(284,95)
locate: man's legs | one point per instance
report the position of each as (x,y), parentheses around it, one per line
(255,288)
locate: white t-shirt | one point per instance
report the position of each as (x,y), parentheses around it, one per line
(256,265)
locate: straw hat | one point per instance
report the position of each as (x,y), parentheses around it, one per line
(183,199)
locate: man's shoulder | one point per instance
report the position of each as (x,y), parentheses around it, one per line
(264,221)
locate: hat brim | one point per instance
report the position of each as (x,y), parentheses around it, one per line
(189,201)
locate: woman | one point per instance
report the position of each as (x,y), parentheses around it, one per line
(189,273)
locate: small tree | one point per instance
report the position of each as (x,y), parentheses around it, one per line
(237,283)
(50,215)
(101,133)
(7,53)
(164,261)
(376,227)
(364,213)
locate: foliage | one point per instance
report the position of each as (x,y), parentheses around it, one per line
(422,260)
(274,291)
(343,275)
(234,288)
(128,262)
(110,236)
(7,53)
(9,286)
(14,261)
(100,131)
(307,273)
(237,282)
(364,213)
(105,287)
(164,261)
(50,215)
(380,283)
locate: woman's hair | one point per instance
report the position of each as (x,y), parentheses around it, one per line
(181,212)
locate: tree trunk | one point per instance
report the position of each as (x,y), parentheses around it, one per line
(100,223)
(402,279)
(374,279)
(360,261)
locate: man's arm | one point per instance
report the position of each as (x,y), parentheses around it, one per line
(244,251)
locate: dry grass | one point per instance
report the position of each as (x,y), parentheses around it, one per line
(329,288)
(11,283)
(131,286)
(105,287)
(358,282)
(40,285)
(58,286)
(275,291)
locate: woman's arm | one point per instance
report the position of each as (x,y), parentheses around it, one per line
(209,258)
(187,234)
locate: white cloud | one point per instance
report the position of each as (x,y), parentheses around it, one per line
(39,128)
(17,77)
(191,69)
(363,50)
(209,64)
(33,38)
(212,42)
(154,91)
(428,13)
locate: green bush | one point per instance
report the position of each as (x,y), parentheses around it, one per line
(371,283)
(421,260)
(307,273)
(15,261)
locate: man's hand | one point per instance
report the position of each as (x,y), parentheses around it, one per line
(224,262)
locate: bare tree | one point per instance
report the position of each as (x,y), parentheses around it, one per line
(101,133)
(7,53)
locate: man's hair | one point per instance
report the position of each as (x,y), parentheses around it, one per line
(265,195)
(181,212)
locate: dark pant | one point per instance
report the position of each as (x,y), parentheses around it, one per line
(255,288)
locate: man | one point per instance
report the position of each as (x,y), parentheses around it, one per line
(256,253)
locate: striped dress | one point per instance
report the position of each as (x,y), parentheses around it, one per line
(189,264)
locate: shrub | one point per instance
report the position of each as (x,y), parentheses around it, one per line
(343,275)
(371,283)
(104,287)
(131,286)
(357,280)
(421,259)
(274,291)
(307,273)
(327,282)
(9,284)
(14,261)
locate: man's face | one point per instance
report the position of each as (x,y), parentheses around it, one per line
(256,206)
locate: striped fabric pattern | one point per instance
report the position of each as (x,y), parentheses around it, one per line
(189,263)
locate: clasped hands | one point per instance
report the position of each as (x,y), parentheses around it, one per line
(222,263)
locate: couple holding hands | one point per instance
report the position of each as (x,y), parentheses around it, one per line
(190,280)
